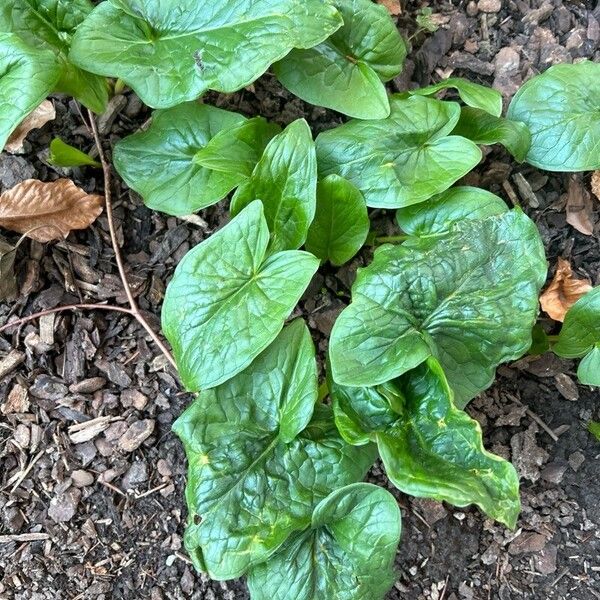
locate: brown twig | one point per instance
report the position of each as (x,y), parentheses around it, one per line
(59,309)
(135,311)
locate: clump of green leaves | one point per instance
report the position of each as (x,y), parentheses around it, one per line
(275,474)
(347,71)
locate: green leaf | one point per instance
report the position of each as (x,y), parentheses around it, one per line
(238,148)
(430,448)
(594,429)
(472,94)
(483,128)
(346,72)
(404,159)
(341,223)
(439,214)
(285,180)
(228,299)
(539,341)
(561,108)
(348,552)
(161,163)
(588,371)
(256,471)
(49,25)
(27,76)
(581,328)
(469,297)
(173,51)
(65,155)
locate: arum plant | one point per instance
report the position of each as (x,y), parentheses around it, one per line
(275,485)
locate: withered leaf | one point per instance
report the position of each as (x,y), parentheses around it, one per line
(44,211)
(38,118)
(564,290)
(579,206)
(8,281)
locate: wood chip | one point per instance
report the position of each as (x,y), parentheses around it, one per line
(83,432)
(23,537)
(136,434)
(17,401)
(11,361)
(579,206)
(46,324)
(525,190)
(8,280)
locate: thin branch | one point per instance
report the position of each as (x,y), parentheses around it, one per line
(60,309)
(109,213)
(115,243)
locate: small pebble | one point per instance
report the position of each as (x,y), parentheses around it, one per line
(82,478)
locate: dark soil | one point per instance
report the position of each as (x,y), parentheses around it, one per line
(109,517)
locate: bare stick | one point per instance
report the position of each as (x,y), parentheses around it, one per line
(135,311)
(59,309)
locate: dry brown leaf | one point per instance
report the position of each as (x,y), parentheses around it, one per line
(596,184)
(38,118)
(564,290)
(43,211)
(394,7)
(580,208)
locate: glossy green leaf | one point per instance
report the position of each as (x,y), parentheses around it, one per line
(430,448)
(341,223)
(346,72)
(472,94)
(439,214)
(469,297)
(581,328)
(228,299)
(173,51)
(258,463)
(49,25)
(160,163)
(65,155)
(404,159)
(237,149)
(588,371)
(285,180)
(483,128)
(561,108)
(348,552)
(27,76)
